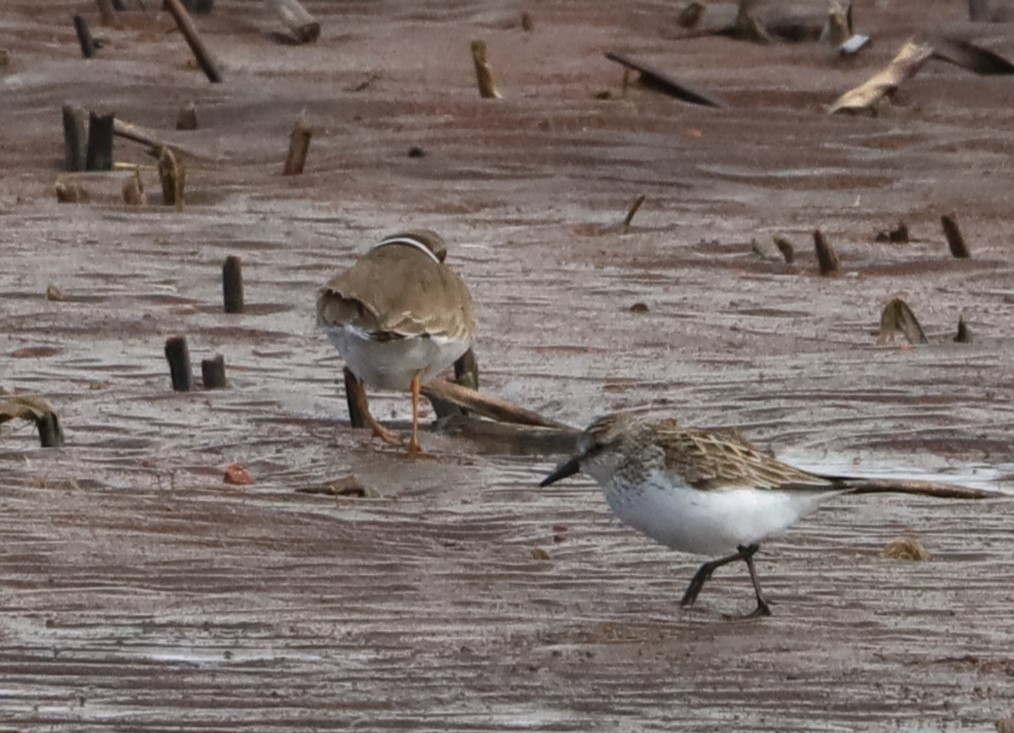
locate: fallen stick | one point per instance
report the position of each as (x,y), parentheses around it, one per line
(482,404)
(517,439)
(884,83)
(466,373)
(186,25)
(303,26)
(659,81)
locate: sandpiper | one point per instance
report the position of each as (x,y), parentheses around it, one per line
(398,316)
(696,491)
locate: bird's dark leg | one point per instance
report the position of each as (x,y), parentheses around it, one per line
(359,409)
(703,574)
(762,606)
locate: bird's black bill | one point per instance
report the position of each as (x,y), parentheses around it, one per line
(562,471)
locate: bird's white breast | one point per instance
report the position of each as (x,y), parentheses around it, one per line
(391,364)
(706,522)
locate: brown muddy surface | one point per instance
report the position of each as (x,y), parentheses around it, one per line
(138,592)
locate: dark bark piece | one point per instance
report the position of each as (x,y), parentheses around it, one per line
(660,81)
(527,24)
(50,432)
(970,56)
(186,25)
(178,356)
(299,147)
(75,137)
(786,248)
(303,26)
(84,37)
(100,142)
(897,319)
(187,118)
(955,239)
(827,258)
(213,372)
(963,332)
(232,284)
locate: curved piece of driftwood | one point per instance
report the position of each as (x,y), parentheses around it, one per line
(485,405)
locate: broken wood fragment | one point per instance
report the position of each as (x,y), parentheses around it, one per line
(898,320)
(187,118)
(84,37)
(107,12)
(213,372)
(955,239)
(37,410)
(173,176)
(659,81)
(485,405)
(303,26)
(299,147)
(898,235)
(964,335)
(884,83)
(99,156)
(483,71)
(527,24)
(349,486)
(186,25)
(466,373)
(786,248)
(71,193)
(906,548)
(970,56)
(133,190)
(827,257)
(232,284)
(75,137)
(178,356)
(837,28)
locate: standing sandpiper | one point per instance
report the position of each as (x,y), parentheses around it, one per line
(697,491)
(398,316)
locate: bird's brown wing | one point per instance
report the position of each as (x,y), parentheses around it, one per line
(713,461)
(401,292)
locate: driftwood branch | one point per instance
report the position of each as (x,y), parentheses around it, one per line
(483,71)
(485,405)
(885,82)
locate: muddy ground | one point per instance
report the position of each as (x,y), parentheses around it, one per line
(138,592)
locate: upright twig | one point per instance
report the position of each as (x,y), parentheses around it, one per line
(213,372)
(232,284)
(100,142)
(299,147)
(75,137)
(173,176)
(955,239)
(827,258)
(633,210)
(483,71)
(178,356)
(84,37)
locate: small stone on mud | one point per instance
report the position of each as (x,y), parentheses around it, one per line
(53,293)
(906,548)
(539,554)
(416,152)
(639,308)
(237,475)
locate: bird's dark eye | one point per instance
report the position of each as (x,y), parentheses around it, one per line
(594,449)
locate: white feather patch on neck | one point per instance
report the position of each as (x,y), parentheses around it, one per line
(411,243)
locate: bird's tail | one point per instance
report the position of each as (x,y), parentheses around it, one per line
(905,486)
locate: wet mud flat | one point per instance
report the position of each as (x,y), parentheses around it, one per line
(140,592)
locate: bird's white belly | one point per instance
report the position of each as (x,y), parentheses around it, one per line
(707,522)
(392,364)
